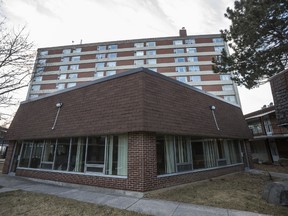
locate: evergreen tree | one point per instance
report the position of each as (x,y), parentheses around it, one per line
(258,37)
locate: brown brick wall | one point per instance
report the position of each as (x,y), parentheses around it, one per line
(52,60)
(203,40)
(212,88)
(205,67)
(205,49)
(210,77)
(50,77)
(86,74)
(89,48)
(125,54)
(48,86)
(87,57)
(86,65)
(165,51)
(8,159)
(205,58)
(51,68)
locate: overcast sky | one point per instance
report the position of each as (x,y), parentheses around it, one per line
(59,22)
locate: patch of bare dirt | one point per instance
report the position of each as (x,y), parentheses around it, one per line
(272,168)
(30,204)
(241,191)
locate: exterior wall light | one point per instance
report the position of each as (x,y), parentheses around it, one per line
(212,108)
(58,105)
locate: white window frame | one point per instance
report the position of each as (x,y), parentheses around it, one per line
(193,68)
(139,62)
(112,55)
(74,67)
(178,42)
(150,44)
(195,78)
(151,61)
(111,64)
(139,45)
(63,68)
(181,69)
(191,50)
(182,79)
(139,53)
(75,58)
(70,85)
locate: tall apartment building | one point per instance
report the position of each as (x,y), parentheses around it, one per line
(186,58)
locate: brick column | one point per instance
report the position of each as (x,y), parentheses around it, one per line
(9,158)
(142,162)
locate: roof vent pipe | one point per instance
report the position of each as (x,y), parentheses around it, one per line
(58,105)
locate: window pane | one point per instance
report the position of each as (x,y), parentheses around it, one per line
(95,154)
(62,76)
(111,64)
(39,69)
(110,73)
(35,87)
(63,68)
(217,40)
(36,154)
(101,47)
(177,42)
(74,67)
(99,74)
(69,85)
(198,155)
(72,76)
(62,154)
(179,59)
(219,49)
(190,41)
(151,61)
(25,154)
(195,78)
(77,157)
(225,77)
(113,46)
(191,50)
(66,51)
(139,62)
(100,56)
(60,86)
(150,43)
(100,65)
(151,52)
(181,69)
(230,98)
(194,68)
(178,51)
(76,50)
(139,45)
(210,153)
(75,58)
(117,150)
(139,53)
(48,154)
(182,79)
(183,154)
(112,55)
(193,59)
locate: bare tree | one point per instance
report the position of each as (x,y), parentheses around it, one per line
(16,62)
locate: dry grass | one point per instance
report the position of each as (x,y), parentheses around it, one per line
(241,191)
(28,203)
(271,168)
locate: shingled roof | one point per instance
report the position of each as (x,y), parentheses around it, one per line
(136,100)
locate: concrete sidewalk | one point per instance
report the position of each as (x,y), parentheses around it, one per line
(119,199)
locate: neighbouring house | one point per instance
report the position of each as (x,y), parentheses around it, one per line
(137,130)
(279,87)
(269,142)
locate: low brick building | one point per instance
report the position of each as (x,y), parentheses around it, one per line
(138,130)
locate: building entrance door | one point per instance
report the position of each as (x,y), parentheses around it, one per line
(274,150)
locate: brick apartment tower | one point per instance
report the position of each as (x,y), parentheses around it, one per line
(186,58)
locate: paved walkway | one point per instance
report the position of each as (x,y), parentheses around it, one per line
(128,201)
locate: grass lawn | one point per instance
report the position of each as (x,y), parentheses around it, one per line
(272,168)
(28,203)
(241,191)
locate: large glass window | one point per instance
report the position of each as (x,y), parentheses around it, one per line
(112,55)
(62,153)
(48,154)
(117,150)
(178,51)
(77,155)
(151,52)
(180,69)
(191,50)
(100,56)
(26,154)
(95,154)
(179,59)
(36,154)
(105,155)
(181,154)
